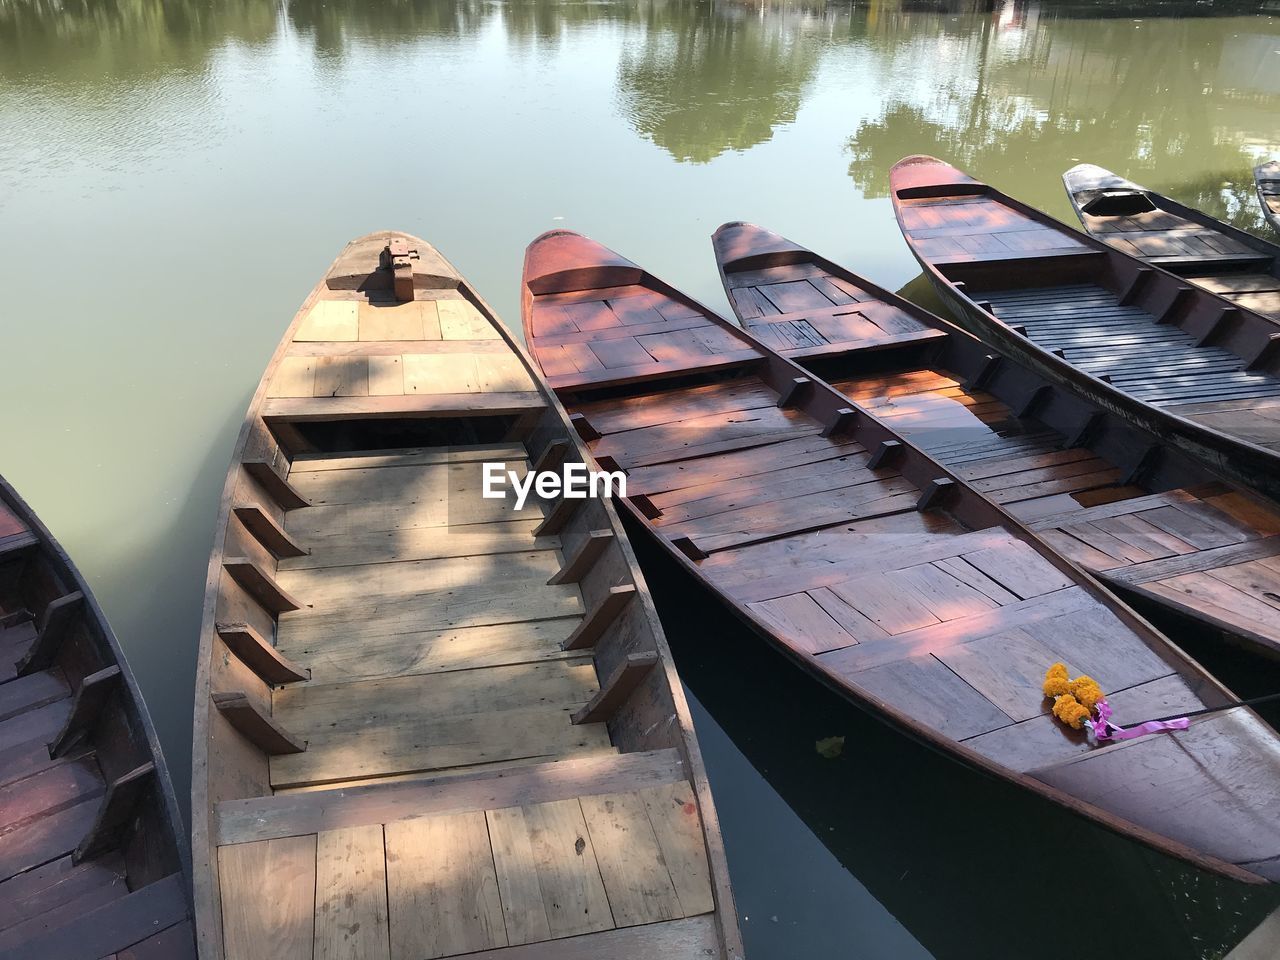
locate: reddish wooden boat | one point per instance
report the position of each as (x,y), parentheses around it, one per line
(1121,503)
(429,723)
(92,854)
(1266,177)
(1172,358)
(1211,254)
(882,572)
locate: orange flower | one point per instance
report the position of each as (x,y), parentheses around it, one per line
(1070,711)
(1087,691)
(1055,681)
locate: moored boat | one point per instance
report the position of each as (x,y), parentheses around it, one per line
(1171,357)
(1266,177)
(431,722)
(92,849)
(1230,262)
(880,571)
(1118,501)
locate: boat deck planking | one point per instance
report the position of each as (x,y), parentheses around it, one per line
(1142,223)
(882,572)
(1172,357)
(91,849)
(1172,532)
(440,775)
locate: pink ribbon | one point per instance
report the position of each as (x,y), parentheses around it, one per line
(1104,729)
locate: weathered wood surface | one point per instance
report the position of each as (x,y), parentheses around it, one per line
(91,859)
(942,615)
(1177,359)
(1150,532)
(386,709)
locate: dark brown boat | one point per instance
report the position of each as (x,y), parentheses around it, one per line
(1266,177)
(1172,358)
(883,573)
(92,850)
(1121,503)
(430,722)
(1211,254)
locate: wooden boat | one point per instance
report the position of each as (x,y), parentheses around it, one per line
(92,858)
(1266,177)
(880,571)
(1121,503)
(428,723)
(1173,358)
(1211,254)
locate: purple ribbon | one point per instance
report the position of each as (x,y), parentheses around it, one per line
(1104,729)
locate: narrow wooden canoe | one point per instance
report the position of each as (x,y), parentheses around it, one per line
(1211,254)
(1266,177)
(885,574)
(1120,502)
(1173,358)
(428,723)
(92,854)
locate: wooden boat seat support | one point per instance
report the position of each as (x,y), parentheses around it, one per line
(887,453)
(280,489)
(1033,400)
(56,623)
(16,543)
(575,567)
(1143,465)
(116,811)
(254,725)
(267,532)
(1215,326)
(615,691)
(1088,428)
(552,456)
(90,700)
(646,506)
(793,391)
(259,655)
(582,426)
(260,585)
(1265,353)
(1180,296)
(557,517)
(1141,277)
(990,364)
(840,423)
(937,493)
(690,549)
(607,462)
(599,619)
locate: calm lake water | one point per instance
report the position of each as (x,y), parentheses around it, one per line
(174,176)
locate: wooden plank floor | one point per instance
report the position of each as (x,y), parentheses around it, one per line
(1207,550)
(433,640)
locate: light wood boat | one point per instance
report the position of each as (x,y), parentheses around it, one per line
(1211,254)
(429,724)
(883,573)
(1171,357)
(1120,502)
(92,854)
(1266,178)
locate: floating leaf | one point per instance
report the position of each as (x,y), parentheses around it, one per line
(830,747)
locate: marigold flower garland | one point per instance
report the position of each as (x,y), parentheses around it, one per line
(1073,700)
